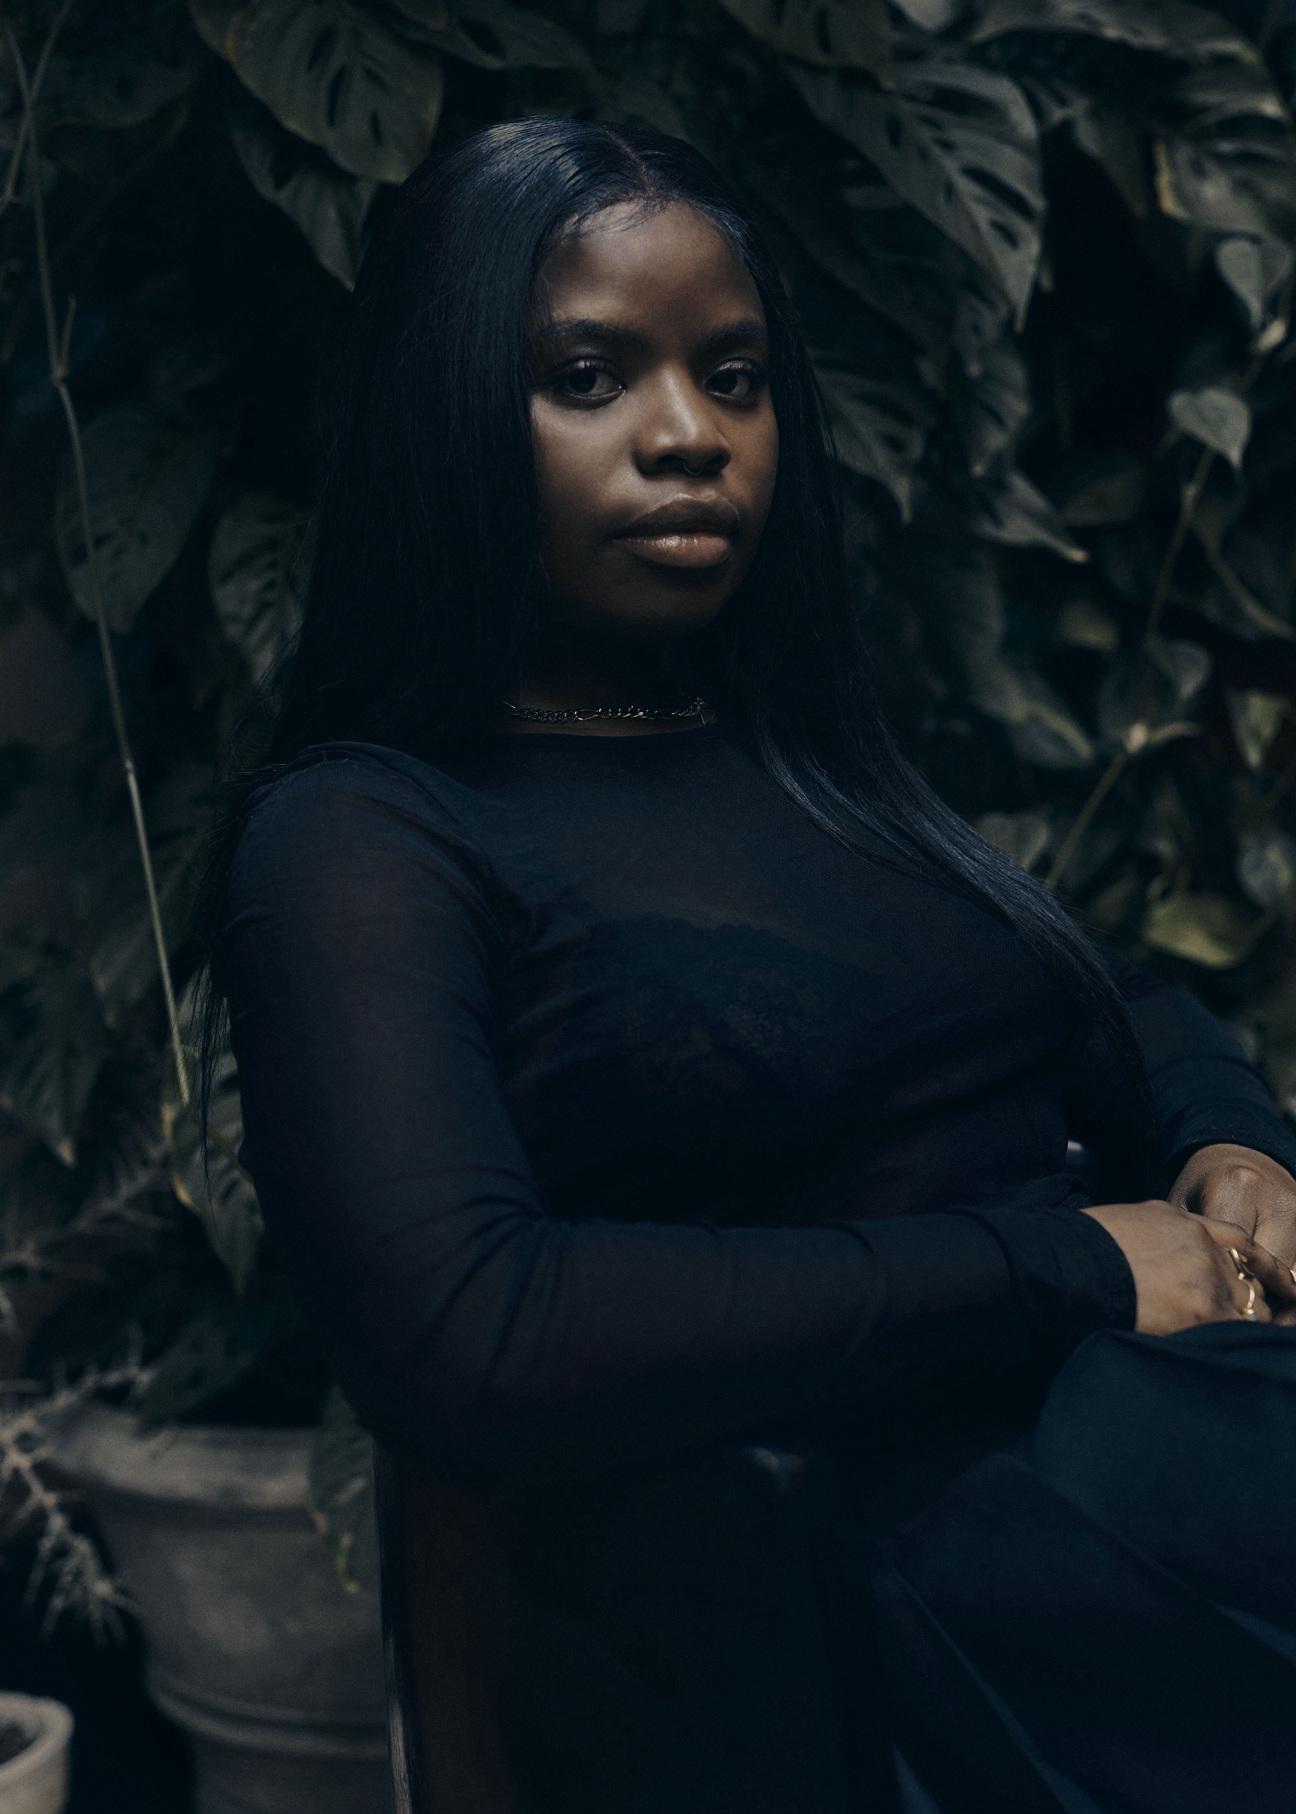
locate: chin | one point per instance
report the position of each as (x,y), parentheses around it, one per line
(664,615)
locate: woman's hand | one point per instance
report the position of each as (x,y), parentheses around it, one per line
(1250,1192)
(1182,1273)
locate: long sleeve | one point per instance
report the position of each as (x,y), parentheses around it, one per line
(362,957)
(1203,1088)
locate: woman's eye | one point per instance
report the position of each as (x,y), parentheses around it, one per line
(739,383)
(586,379)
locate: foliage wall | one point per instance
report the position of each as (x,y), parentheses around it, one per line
(1043,252)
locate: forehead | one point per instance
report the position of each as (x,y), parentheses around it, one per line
(631,262)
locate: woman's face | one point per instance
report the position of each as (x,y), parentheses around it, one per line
(656,444)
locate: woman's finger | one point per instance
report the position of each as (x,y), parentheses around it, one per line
(1268,1275)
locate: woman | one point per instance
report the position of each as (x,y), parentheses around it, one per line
(662,1098)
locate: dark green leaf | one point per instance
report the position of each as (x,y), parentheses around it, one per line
(491,33)
(212,1182)
(879,426)
(335,76)
(1206,929)
(1266,870)
(957,141)
(120,87)
(1153,689)
(1218,418)
(1225,160)
(49,1069)
(1085,625)
(1111,491)
(837,34)
(889,256)
(1257,718)
(1022,836)
(1169,26)
(212,1353)
(341,1487)
(932,15)
(1254,270)
(257,578)
(148,479)
(1007,508)
(1003,686)
(990,409)
(326,204)
(1120,146)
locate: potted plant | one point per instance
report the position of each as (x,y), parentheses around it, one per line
(34,1738)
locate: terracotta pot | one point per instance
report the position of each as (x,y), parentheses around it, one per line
(254,1648)
(36,1780)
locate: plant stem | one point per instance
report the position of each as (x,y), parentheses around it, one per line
(58,377)
(1187,505)
(38,76)
(1084,818)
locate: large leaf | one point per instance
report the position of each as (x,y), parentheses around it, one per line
(1003,686)
(1225,157)
(879,426)
(1256,717)
(957,141)
(1111,490)
(981,313)
(255,570)
(211,1181)
(1154,688)
(1220,419)
(335,76)
(1119,145)
(889,256)
(991,408)
(931,15)
(1254,269)
(491,33)
(1007,508)
(1168,26)
(123,963)
(1206,929)
(1022,836)
(326,204)
(148,479)
(1266,870)
(341,1493)
(837,34)
(213,1352)
(48,1069)
(121,86)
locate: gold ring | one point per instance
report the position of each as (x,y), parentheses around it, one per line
(1249,1314)
(1240,1263)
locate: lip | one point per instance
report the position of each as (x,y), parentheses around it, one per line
(684,532)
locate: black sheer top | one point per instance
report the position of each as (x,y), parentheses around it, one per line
(615,1118)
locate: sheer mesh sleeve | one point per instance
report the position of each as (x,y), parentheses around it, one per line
(361,959)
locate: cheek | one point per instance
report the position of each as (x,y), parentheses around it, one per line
(572,466)
(762,455)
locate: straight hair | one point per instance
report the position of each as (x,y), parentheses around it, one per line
(427,582)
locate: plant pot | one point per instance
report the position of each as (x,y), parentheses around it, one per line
(36,1780)
(254,1648)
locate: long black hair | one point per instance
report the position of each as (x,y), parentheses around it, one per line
(427,582)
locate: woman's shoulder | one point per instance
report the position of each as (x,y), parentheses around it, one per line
(352,805)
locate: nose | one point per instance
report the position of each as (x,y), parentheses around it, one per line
(679,431)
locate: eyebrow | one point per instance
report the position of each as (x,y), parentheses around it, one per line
(552,336)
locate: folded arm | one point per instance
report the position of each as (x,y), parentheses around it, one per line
(1226,1151)
(360,959)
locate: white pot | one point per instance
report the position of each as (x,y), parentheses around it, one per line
(36,1781)
(254,1648)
